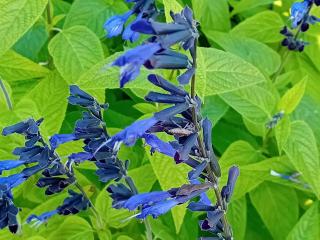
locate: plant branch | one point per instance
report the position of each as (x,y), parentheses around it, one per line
(6,95)
(211,177)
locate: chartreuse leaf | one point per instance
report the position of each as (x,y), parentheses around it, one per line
(254,103)
(246,5)
(292,97)
(48,100)
(93,14)
(74,51)
(214,113)
(269,200)
(14,67)
(302,151)
(169,176)
(282,133)
(212,16)
(237,217)
(262,27)
(73,228)
(5,95)
(308,226)
(258,54)
(219,72)
(17,17)
(171,5)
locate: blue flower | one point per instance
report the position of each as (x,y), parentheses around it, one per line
(59,139)
(13,180)
(80,157)
(75,203)
(164,98)
(114,26)
(135,131)
(146,199)
(158,209)
(10,164)
(28,128)
(8,211)
(159,145)
(54,184)
(183,153)
(227,190)
(166,85)
(43,218)
(299,11)
(132,61)
(183,30)
(108,169)
(119,194)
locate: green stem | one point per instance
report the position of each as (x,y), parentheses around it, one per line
(211,177)
(6,95)
(49,22)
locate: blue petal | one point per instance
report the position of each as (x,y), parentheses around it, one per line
(298,12)
(146,198)
(135,131)
(9,164)
(158,209)
(43,218)
(114,26)
(59,139)
(13,180)
(158,145)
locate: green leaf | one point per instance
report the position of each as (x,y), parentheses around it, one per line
(17,17)
(263,27)
(5,95)
(214,113)
(258,54)
(269,200)
(220,72)
(302,150)
(15,67)
(93,14)
(291,99)
(73,228)
(237,217)
(143,178)
(282,133)
(48,100)
(75,51)
(212,16)
(169,176)
(255,103)
(171,5)
(246,5)
(308,225)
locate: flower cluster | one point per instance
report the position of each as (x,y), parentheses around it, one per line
(142,9)
(155,52)
(301,20)
(36,156)
(191,134)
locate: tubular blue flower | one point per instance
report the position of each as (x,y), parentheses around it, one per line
(54,184)
(108,170)
(185,78)
(299,11)
(80,157)
(159,145)
(183,153)
(197,171)
(9,164)
(114,25)
(183,29)
(8,211)
(75,203)
(13,180)
(164,98)
(166,85)
(28,127)
(43,218)
(119,194)
(167,59)
(171,111)
(227,190)
(59,139)
(135,131)
(158,209)
(207,132)
(146,199)
(132,61)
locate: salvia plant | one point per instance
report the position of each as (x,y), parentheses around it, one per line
(231,137)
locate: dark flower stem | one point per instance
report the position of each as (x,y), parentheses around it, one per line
(6,95)
(211,177)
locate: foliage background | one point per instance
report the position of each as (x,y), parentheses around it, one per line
(240,56)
